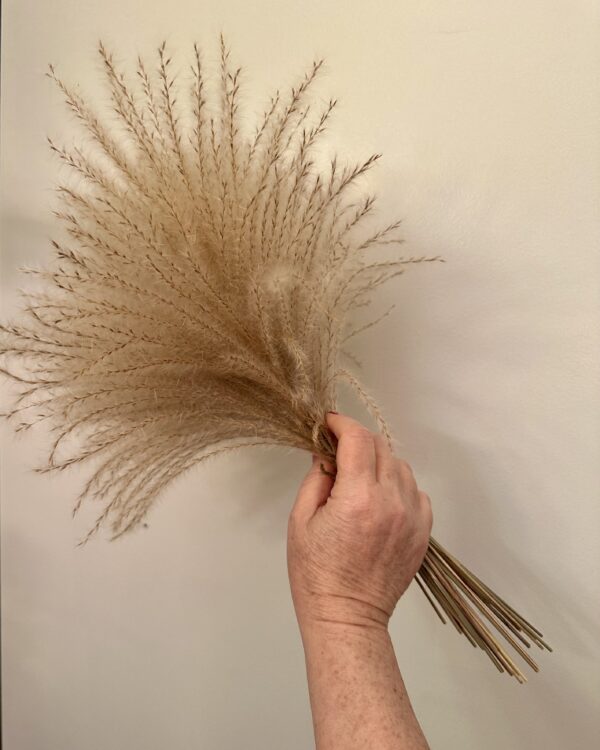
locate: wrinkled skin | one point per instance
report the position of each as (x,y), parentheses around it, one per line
(356,541)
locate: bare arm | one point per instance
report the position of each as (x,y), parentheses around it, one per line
(354,545)
(357,695)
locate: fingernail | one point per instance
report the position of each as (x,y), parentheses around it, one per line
(332,412)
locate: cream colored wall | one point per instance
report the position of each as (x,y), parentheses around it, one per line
(183,635)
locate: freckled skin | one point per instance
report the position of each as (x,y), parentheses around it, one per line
(354,545)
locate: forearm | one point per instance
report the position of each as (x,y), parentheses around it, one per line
(357,694)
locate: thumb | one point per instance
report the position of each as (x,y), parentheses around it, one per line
(314,491)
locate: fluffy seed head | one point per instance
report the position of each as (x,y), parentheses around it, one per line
(198,300)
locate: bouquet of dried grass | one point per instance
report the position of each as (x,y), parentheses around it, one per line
(199,301)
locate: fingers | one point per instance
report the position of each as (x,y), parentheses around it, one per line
(394,474)
(366,458)
(355,454)
(313,492)
(386,470)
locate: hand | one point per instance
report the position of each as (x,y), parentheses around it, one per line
(355,542)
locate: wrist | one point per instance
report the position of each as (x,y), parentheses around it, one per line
(340,612)
(327,641)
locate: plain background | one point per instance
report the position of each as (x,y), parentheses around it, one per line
(183,635)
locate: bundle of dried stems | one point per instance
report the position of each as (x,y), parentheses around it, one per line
(199,299)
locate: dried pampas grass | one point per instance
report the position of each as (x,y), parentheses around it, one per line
(199,299)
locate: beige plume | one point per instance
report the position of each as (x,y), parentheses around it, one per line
(200,294)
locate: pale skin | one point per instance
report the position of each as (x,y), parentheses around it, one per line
(355,542)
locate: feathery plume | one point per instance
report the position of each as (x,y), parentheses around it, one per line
(200,294)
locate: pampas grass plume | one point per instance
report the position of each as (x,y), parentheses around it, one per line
(200,299)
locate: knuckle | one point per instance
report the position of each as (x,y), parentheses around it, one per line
(364,502)
(295,518)
(429,520)
(359,434)
(389,477)
(427,510)
(404,469)
(374,494)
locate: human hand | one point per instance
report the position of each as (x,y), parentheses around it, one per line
(356,541)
